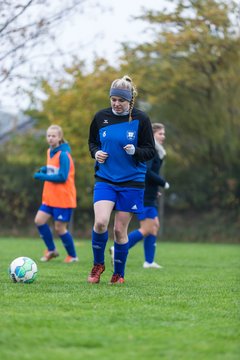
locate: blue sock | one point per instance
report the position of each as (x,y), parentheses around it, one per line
(99,242)
(68,243)
(134,237)
(46,235)
(120,258)
(149,247)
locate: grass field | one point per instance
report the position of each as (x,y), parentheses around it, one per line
(187,310)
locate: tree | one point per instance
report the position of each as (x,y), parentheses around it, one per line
(190,76)
(25,24)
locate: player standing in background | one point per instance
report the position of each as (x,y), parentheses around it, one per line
(59,195)
(149,221)
(121,141)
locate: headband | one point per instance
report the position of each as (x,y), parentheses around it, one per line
(123,93)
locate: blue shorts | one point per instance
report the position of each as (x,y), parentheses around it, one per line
(149,212)
(58,214)
(125,199)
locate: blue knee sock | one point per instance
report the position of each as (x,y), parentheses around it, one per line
(46,235)
(68,243)
(134,237)
(99,242)
(149,247)
(120,258)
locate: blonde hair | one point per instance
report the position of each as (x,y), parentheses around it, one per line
(60,132)
(126,83)
(157,126)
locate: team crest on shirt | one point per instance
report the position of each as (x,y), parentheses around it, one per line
(131,135)
(104,133)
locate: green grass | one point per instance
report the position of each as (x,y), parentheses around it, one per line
(188,310)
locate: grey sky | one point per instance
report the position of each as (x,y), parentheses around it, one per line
(102,32)
(86,35)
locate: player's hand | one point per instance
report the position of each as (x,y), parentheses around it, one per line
(166,186)
(101,156)
(42,170)
(130,149)
(38,176)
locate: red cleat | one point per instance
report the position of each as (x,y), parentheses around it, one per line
(117,279)
(95,274)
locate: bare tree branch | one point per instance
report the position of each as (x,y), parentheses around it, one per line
(26,24)
(11,20)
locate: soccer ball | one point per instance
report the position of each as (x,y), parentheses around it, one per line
(23,269)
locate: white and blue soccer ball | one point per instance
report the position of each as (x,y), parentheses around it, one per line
(23,269)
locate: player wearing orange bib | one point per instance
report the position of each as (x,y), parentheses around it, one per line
(59,195)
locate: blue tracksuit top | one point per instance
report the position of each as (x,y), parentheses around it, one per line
(110,133)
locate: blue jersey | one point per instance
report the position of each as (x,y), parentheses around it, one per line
(110,133)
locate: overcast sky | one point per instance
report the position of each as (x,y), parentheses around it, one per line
(95,32)
(102,33)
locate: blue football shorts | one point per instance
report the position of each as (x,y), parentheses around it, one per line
(58,214)
(125,198)
(149,212)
